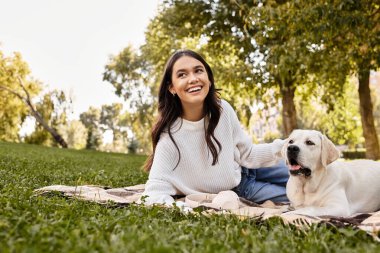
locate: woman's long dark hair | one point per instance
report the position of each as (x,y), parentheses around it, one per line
(170,108)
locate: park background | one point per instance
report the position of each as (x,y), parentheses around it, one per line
(84,75)
(281,64)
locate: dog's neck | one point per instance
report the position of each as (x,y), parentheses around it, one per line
(310,183)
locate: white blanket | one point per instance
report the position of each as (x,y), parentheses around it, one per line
(223,203)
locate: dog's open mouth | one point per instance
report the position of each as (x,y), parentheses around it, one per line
(296,169)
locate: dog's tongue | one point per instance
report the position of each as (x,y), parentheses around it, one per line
(295,167)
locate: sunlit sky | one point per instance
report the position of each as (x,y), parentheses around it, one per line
(67,43)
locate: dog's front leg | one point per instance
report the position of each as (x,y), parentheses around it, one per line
(335,205)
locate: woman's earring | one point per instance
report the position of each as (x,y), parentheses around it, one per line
(173,94)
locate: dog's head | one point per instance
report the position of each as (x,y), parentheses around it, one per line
(307,151)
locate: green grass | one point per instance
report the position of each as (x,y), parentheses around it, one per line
(30,223)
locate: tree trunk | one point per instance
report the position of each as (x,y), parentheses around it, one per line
(289,114)
(28,101)
(57,137)
(366,112)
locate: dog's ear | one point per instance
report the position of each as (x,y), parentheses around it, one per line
(329,152)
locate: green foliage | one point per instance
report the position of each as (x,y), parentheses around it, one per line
(271,136)
(129,74)
(261,47)
(13,110)
(125,72)
(91,120)
(75,133)
(111,119)
(109,116)
(212,31)
(40,136)
(53,108)
(30,223)
(120,123)
(339,119)
(133,146)
(345,38)
(178,25)
(16,84)
(348,27)
(140,123)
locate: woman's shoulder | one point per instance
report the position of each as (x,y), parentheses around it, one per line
(176,130)
(164,137)
(225,104)
(226,107)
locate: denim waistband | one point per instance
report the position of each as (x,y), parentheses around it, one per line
(245,172)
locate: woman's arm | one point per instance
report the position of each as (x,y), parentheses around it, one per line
(253,155)
(159,188)
(157,192)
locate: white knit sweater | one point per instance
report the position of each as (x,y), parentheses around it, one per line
(195,172)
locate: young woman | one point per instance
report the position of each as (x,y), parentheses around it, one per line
(199,145)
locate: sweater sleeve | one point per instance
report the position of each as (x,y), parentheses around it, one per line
(158,188)
(253,156)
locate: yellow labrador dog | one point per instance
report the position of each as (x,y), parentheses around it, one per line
(320,185)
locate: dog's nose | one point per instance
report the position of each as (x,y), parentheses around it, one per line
(293,149)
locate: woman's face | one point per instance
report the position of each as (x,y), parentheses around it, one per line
(190,81)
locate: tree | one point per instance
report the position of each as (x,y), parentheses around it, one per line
(13,77)
(110,118)
(192,24)
(132,77)
(283,55)
(253,46)
(75,133)
(91,120)
(12,110)
(349,32)
(39,136)
(139,124)
(259,53)
(340,123)
(53,109)
(139,72)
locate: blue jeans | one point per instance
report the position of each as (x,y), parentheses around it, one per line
(259,185)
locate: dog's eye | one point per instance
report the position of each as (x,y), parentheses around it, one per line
(310,143)
(291,142)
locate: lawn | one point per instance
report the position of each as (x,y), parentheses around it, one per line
(30,223)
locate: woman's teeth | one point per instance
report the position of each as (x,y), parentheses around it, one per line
(194,89)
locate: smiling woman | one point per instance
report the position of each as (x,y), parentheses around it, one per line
(190,82)
(199,145)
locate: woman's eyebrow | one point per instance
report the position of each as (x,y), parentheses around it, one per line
(180,70)
(184,70)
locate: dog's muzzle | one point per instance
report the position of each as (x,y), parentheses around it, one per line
(295,168)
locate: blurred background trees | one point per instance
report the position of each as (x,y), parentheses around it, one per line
(16,84)
(294,56)
(281,64)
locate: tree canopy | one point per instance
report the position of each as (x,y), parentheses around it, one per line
(259,51)
(12,109)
